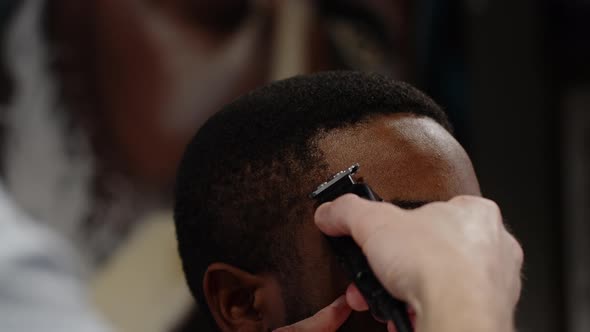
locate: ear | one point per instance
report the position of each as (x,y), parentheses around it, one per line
(242,301)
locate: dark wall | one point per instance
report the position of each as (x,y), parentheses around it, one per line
(515,144)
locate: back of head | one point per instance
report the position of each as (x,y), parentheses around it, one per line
(243,183)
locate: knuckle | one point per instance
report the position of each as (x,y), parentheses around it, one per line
(463,199)
(518,251)
(493,206)
(487,209)
(459,205)
(479,203)
(469,202)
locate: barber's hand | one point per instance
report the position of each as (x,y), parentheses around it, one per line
(328,319)
(454,263)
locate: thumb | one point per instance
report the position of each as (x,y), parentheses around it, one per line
(328,319)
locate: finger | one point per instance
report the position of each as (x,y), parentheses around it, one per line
(334,218)
(328,319)
(355,299)
(354,216)
(391,327)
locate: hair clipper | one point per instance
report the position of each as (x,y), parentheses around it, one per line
(381,304)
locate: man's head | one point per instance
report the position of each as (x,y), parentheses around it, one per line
(250,251)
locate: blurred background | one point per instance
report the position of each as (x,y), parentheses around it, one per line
(99,97)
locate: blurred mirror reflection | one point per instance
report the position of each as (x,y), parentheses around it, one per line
(99,97)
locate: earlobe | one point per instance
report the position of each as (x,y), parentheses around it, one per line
(231,295)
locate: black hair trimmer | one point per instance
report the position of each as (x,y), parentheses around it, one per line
(381,304)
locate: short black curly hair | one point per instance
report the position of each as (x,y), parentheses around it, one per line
(242,184)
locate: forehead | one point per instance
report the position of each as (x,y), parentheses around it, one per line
(402,157)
